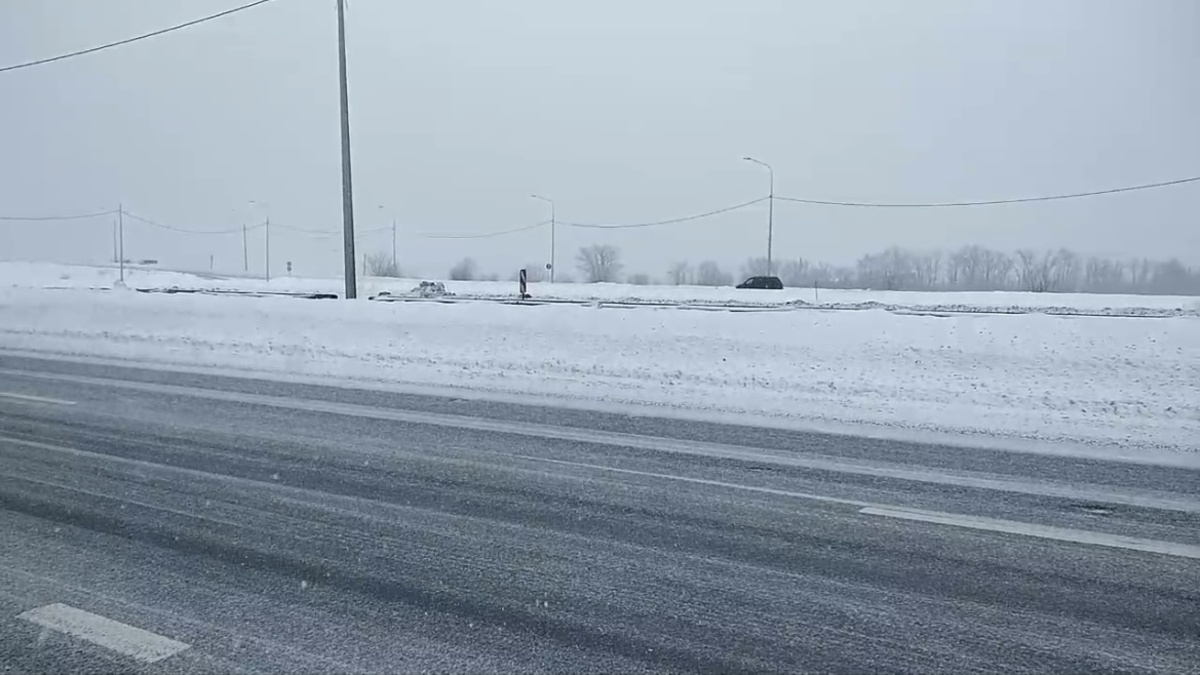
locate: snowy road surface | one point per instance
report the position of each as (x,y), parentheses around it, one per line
(153,521)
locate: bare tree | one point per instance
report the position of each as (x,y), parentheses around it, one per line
(754,267)
(795,273)
(533,274)
(927,269)
(1141,272)
(1103,276)
(680,274)
(464,270)
(870,272)
(964,266)
(997,269)
(1172,277)
(709,273)
(599,262)
(1029,275)
(830,276)
(381,265)
(1068,271)
(893,269)
(1049,272)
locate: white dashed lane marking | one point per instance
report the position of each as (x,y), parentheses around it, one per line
(1039,531)
(26,398)
(138,644)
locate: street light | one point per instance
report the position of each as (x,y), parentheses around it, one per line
(395,266)
(240,214)
(347,184)
(770,209)
(552,228)
(267,231)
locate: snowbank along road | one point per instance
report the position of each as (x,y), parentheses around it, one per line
(1095,384)
(49,275)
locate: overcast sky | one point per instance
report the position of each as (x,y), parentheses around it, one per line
(621,111)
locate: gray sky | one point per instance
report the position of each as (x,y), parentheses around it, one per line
(621,111)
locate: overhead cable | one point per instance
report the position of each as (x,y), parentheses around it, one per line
(182,230)
(991,202)
(484,235)
(670,221)
(110,45)
(77,216)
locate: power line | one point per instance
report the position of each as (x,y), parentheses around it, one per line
(110,45)
(293,228)
(78,216)
(991,202)
(181,230)
(326,233)
(671,221)
(485,235)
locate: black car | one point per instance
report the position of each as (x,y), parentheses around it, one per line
(768,283)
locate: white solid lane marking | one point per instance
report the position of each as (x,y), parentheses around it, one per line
(135,643)
(1020,485)
(26,398)
(866,508)
(973,522)
(698,481)
(1039,531)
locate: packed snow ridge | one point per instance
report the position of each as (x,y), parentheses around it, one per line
(1104,384)
(45,275)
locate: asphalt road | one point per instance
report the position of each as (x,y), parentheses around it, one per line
(165,522)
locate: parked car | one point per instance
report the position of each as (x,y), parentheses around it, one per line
(768,283)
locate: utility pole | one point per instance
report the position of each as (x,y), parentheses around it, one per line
(245,251)
(114,241)
(553,266)
(347,184)
(395,266)
(121,239)
(267,229)
(770,209)
(770,221)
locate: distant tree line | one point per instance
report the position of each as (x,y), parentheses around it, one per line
(977,268)
(970,268)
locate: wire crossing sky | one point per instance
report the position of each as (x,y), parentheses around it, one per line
(137,38)
(461,109)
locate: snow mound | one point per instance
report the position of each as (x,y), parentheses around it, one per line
(1091,380)
(430,289)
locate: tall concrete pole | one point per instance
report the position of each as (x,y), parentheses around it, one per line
(347,184)
(770,210)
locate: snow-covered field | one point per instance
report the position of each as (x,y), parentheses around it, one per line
(42,275)
(1112,385)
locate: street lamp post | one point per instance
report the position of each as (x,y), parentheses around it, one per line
(240,214)
(770,209)
(267,232)
(395,264)
(121,236)
(553,266)
(347,183)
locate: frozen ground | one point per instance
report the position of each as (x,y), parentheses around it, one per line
(1110,384)
(41,275)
